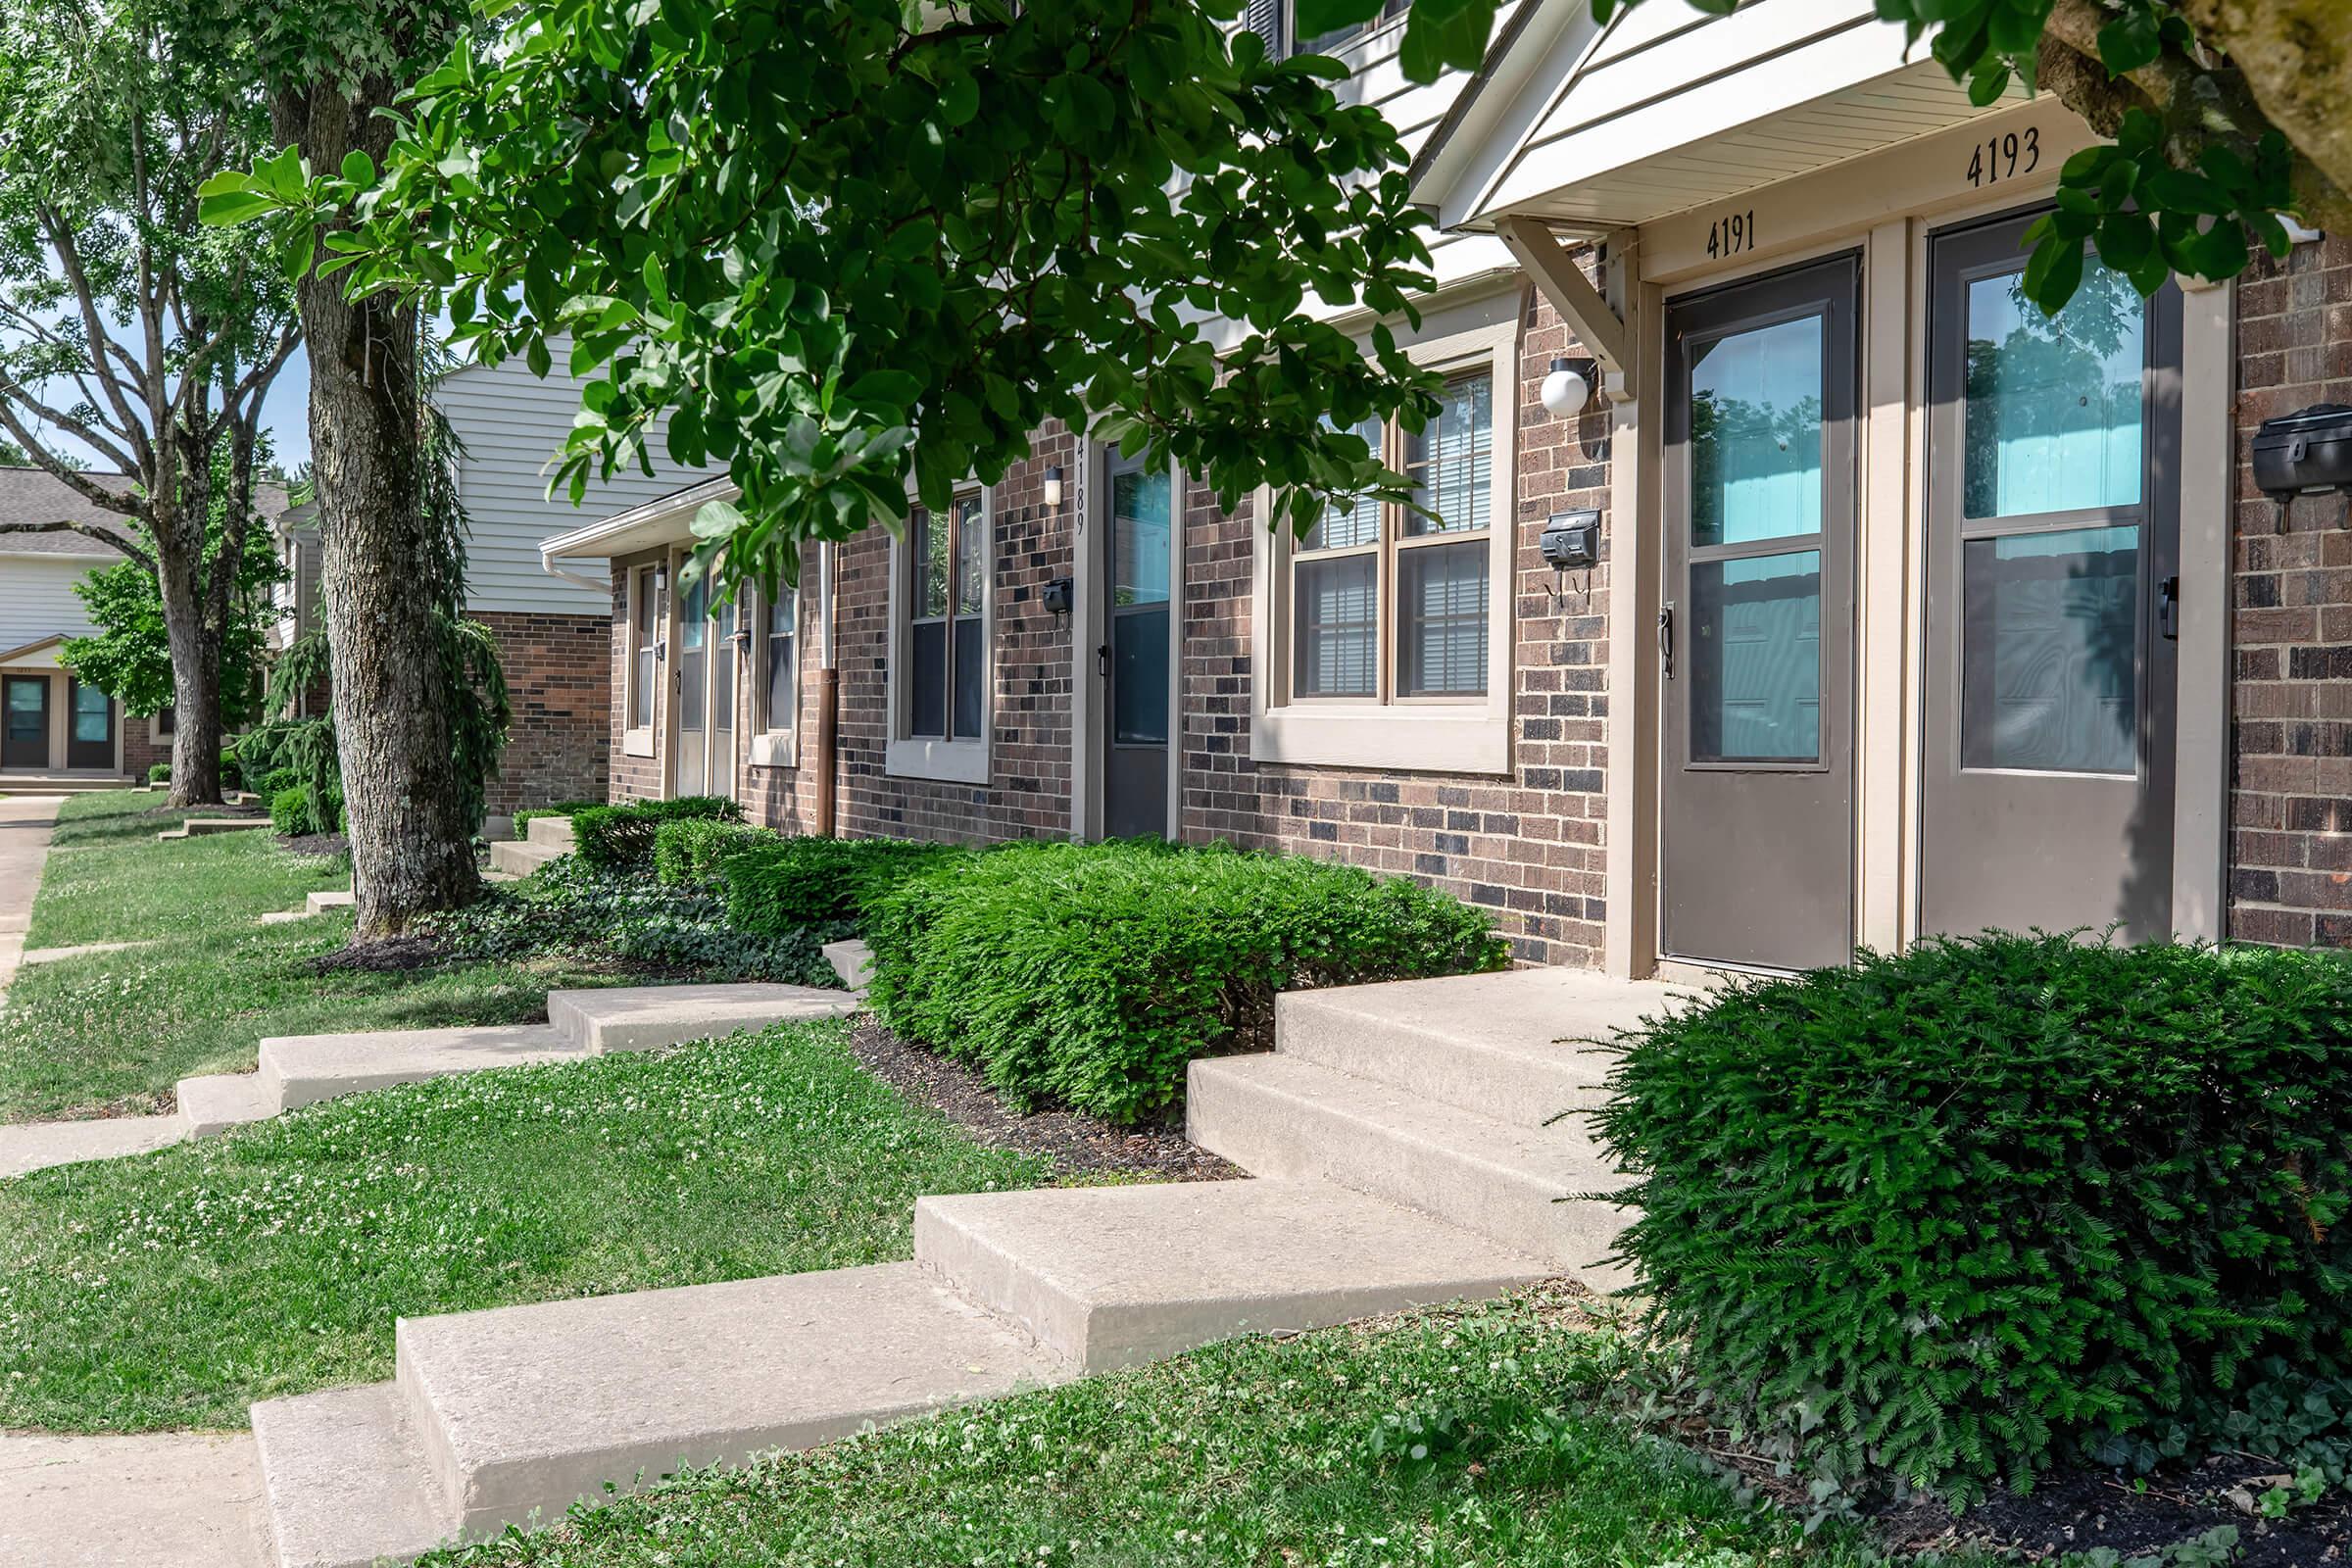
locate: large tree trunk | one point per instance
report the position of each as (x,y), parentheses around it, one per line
(195,686)
(412,844)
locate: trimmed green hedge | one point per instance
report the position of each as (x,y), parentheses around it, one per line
(692,853)
(522,818)
(620,838)
(1994,1205)
(161,774)
(822,884)
(1091,975)
(291,814)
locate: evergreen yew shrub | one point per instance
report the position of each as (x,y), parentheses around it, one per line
(290,811)
(1996,1203)
(620,838)
(690,852)
(820,884)
(1092,974)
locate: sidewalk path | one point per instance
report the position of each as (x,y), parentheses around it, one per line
(180,1499)
(25,822)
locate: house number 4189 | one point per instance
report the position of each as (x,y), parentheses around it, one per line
(1732,235)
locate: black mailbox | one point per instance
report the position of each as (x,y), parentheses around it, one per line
(1058,594)
(1571,541)
(2304,452)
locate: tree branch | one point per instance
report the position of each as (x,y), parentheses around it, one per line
(88,530)
(68,255)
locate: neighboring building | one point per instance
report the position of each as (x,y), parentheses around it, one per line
(554,632)
(1910,612)
(53,727)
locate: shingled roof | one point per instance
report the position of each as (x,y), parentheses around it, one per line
(34,495)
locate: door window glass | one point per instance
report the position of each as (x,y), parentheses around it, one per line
(2053,407)
(693,642)
(2050,652)
(971,580)
(1141,525)
(1755,434)
(1756,658)
(93,714)
(27,700)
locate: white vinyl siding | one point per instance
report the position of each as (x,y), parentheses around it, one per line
(37,597)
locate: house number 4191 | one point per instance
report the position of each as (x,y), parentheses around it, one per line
(1732,235)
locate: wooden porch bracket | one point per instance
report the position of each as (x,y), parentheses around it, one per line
(1601,329)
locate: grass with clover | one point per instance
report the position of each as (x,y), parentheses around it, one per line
(172,1290)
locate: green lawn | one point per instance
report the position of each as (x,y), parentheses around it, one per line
(172,1290)
(1252,1454)
(108,881)
(112,1032)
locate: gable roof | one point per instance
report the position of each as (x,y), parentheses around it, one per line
(1667,108)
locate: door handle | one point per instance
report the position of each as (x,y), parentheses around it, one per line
(1103,660)
(2167,608)
(1666,641)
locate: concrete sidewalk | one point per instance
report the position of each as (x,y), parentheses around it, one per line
(26,824)
(180,1499)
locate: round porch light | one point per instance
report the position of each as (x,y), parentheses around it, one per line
(1565,390)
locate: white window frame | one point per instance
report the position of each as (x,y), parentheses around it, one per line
(773,743)
(1421,734)
(963,760)
(638,740)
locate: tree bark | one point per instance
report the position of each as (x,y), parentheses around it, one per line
(195,681)
(412,844)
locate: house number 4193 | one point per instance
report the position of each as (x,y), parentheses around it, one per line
(1999,158)
(1732,235)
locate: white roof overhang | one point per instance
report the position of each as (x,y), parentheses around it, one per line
(666,521)
(1592,129)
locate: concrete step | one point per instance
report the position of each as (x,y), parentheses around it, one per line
(1115,1276)
(649,1017)
(344,1479)
(1520,1046)
(330,899)
(521,857)
(304,1069)
(552,831)
(27,1147)
(215,1103)
(853,961)
(197,827)
(1277,1116)
(523,1409)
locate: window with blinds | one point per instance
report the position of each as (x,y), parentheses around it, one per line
(1390,601)
(644,624)
(780,663)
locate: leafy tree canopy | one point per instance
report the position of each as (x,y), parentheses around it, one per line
(864,246)
(2223,114)
(129,656)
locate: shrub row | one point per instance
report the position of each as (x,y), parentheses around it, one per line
(1091,975)
(691,852)
(161,774)
(1996,1203)
(820,884)
(620,838)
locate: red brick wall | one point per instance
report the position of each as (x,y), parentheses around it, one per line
(142,747)
(2291,875)
(1528,845)
(560,682)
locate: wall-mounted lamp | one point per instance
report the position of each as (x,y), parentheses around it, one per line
(660,579)
(1568,387)
(1053,488)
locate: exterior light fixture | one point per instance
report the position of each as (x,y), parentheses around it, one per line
(1053,488)
(660,579)
(1568,387)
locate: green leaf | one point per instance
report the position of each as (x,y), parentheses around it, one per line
(2054,273)
(359,169)
(717,519)
(228,208)
(2131,41)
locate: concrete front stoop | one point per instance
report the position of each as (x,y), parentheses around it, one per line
(545,838)
(197,827)
(1389,1180)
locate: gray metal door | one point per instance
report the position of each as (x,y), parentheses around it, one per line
(1756,823)
(1133,661)
(24,721)
(2053,542)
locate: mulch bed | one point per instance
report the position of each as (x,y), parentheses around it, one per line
(206,810)
(391,955)
(2081,1509)
(323,844)
(1080,1143)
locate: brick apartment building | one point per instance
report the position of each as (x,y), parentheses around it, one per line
(1906,611)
